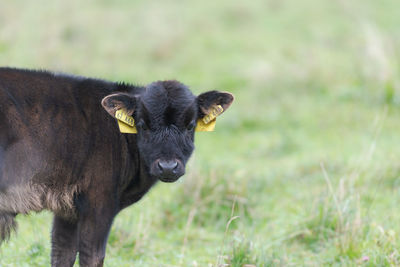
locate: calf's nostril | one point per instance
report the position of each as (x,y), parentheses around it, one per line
(174,165)
(159,165)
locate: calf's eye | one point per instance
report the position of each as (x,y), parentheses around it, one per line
(191,126)
(142,125)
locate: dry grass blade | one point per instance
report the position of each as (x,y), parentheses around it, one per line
(231,219)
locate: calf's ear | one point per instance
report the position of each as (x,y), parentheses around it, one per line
(206,101)
(114,102)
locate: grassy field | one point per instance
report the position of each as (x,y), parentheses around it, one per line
(303,170)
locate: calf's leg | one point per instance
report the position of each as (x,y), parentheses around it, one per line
(64,242)
(94,226)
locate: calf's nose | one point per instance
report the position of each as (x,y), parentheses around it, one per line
(168,166)
(167,170)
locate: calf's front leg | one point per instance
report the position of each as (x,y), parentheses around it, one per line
(64,242)
(94,227)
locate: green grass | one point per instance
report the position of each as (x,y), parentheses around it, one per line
(303,170)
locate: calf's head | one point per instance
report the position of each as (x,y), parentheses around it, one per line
(165,116)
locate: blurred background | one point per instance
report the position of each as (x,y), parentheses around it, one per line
(303,170)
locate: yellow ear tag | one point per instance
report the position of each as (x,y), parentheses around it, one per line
(207,123)
(202,127)
(126,123)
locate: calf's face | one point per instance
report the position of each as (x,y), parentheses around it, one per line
(165,117)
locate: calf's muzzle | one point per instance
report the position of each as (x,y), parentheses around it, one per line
(167,170)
